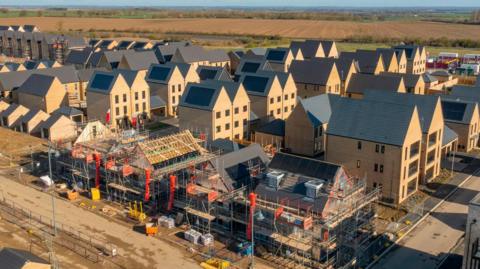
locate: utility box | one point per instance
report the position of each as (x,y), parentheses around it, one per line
(95,194)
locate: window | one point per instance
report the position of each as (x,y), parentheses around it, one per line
(286,97)
(136,96)
(124,98)
(144,106)
(173,88)
(381,168)
(306,87)
(382,150)
(245,108)
(218,115)
(377,148)
(236,110)
(279,111)
(271,113)
(359,145)
(285,109)
(179,87)
(245,122)
(279,99)
(235,124)
(143,94)
(272,100)
(293,96)
(292,107)
(173,99)
(219,129)
(117,111)
(358,163)
(136,107)
(124,109)
(375,167)
(237,136)
(227,126)
(116,99)
(227,112)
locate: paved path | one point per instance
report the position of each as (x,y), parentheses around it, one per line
(145,252)
(429,243)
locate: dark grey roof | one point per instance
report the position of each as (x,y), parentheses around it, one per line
(387,55)
(258,84)
(275,127)
(68,111)
(37,84)
(140,60)
(308,48)
(79,56)
(11,80)
(409,79)
(440,73)
(85,74)
(213,72)
(224,145)
(52,120)
(367,60)
(319,108)
(10,109)
(104,44)
(457,111)
(409,50)
(362,82)
(277,55)
(29,65)
(249,65)
(200,96)
(315,72)
(16,259)
(448,135)
(193,53)
(379,122)
(230,87)
(257,51)
(165,52)
(124,44)
(156,102)
(102,82)
(429,78)
(466,91)
(159,73)
(426,104)
(128,75)
(31,114)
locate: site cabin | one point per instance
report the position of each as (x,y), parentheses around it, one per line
(137,60)
(280,59)
(368,62)
(463,118)
(42,92)
(380,141)
(10,116)
(168,82)
(272,95)
(359,83)
(217,109)
(30,123)
(58,128)
(305,129)
(413,83)
(432,123)
(315,77)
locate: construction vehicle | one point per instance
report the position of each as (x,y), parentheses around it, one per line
(135,212)
(151,228)
(214,263)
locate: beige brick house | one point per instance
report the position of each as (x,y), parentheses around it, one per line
(30,122)
(280,59)
(12,115)
(378,141)
(368,62)
(413,83)
(416,57)
(216,108)
(315,77)
(58,128)
(197,55)
(168,82)
(359,83)
(463,118)
(42,92)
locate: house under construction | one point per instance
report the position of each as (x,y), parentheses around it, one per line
(303,213)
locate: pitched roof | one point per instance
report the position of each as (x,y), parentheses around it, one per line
(160,73)
(79,56)
(409,79)
(164,52)
(457,111)
(367,60)
(319,108)
(440,73)
(252,65)
(225,145)
(275,127)
(31,114)
(312,71)
(387,55)
(140,60)
(11,80)
(410,50)
(429,78)
(124,44)
(448,135)
(425,104)
(362,82)
(156,102)
(200,95)
(213,72)
(53,119)
(68,111)
(277,55)
(381,122)
(193,53)
(16,258)
(37,84)
(258,84)
(309,48)
(102,82)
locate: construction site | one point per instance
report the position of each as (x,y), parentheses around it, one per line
(290,211)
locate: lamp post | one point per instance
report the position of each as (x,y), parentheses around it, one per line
(453,161)
(51,190)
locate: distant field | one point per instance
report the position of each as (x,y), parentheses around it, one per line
(284,28)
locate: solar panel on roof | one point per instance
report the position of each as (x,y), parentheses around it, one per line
(276,55)
(453,110)
(199,96)
(124,44)
(250,67)
(102,81)
(139,45)
(105,43)
(159,73)
(30,65)
(207,74)
(255,84)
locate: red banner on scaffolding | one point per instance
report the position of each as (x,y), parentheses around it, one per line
(97,170)
(253,202)
(147,185)
(173,182)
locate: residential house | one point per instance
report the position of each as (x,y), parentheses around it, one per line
(30,122)
(213,72)
(272,95)
(401,58)
(71,113)
(219,109)
(310,49)
(252,65)
(315,77)
(58,128)
(431,120)
(359,83)
(168,82)
(378,141)
(106,44)
(235,58)
(449,141)
(416,57)
(125,44)
(79,58)
(196,55)
(165,52)
(137,60)
(445,81)
(121,97)
(280,59)
(413,83)
(42,92)
(272,135)
(305,128)
(368,62)
(463,118)
(12,115)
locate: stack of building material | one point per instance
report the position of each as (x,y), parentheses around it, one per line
(193,236)
(166,222)
(207,239)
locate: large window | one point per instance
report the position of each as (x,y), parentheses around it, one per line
(412,168)
(414,149)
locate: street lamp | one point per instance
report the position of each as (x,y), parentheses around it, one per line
(57,154)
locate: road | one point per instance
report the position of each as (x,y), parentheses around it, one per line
(142,251)
(430,242)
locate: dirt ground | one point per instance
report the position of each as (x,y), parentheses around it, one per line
(16,146)
(286,28)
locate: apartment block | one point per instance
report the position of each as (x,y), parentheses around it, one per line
(219,109)
(378,141)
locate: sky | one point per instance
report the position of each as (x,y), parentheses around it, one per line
(253,3)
